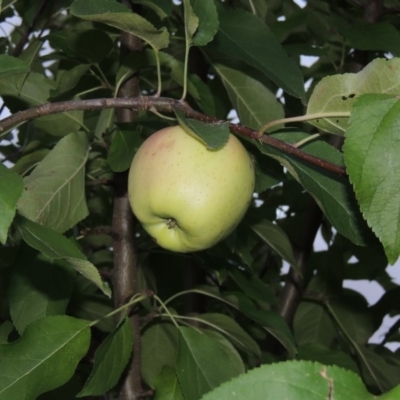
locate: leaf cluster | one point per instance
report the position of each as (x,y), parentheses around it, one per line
(215,317)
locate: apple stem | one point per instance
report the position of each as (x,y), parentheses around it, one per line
(171,223)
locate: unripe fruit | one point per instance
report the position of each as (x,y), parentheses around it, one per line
(186,196)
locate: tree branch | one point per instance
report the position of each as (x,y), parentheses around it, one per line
(125,271)
(162,104)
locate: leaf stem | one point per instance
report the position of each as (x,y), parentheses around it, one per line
(137,298)
(163,305)
(159,83)
(307,117)
(253,9)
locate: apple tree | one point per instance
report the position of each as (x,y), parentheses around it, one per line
(92,307)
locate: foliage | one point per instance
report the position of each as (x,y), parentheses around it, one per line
(225,320)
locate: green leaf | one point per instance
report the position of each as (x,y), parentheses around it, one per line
(202,364)
(61,124)
(68,79)
(253,286)
(38,288)
(34,90)
(110,361)
(5,329)
(294,380)
(119,16)
(393,394)
(11,188)
(55,246)
(85,44)
(376,371)
(28,162)
(11,66)
(371,154)
(246,37)
(337,93)
(44,358)
(326,356)
(233,331)
(54,193)
(254,103)
(381,36)
(273,323)
(159,349)
(312,324)
(332,193)
(276,238)
(213,135)
(124,145)
(207,15)
(163,8)
(167,385)
(191,21)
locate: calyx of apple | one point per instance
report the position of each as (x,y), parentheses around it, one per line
(186,196)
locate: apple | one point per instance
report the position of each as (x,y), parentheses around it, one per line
(186,196)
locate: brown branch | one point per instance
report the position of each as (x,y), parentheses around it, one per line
(162,104)
(126,269)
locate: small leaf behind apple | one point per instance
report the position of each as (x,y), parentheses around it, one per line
(213,135)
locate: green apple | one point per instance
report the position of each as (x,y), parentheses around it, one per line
(186,196)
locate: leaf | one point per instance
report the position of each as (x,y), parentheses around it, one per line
(54,193)
(371,154)
(110,360)
(163,8)
(85,44)
(124,145)
(312,324)
(276,238)
(393,394)
(11,66)
(11,188)
(253,286)
(381,36)
(29,161)
(61,124)
(68,79)
(55,246)
(294,380)
(326,356)
(159,349)
(337,93)
(233,331)
(254,103)
(246,37)
(44,358)
(213,135)
(167,385)
(38,288)
(202,364)
(356,324)
(332,193)
(273,323)
(5,329)
(207,15)
(119,16)
(376,372)
(191,21)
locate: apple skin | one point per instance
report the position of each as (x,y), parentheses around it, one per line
(185,196)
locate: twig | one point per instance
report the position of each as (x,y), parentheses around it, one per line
(162,104)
